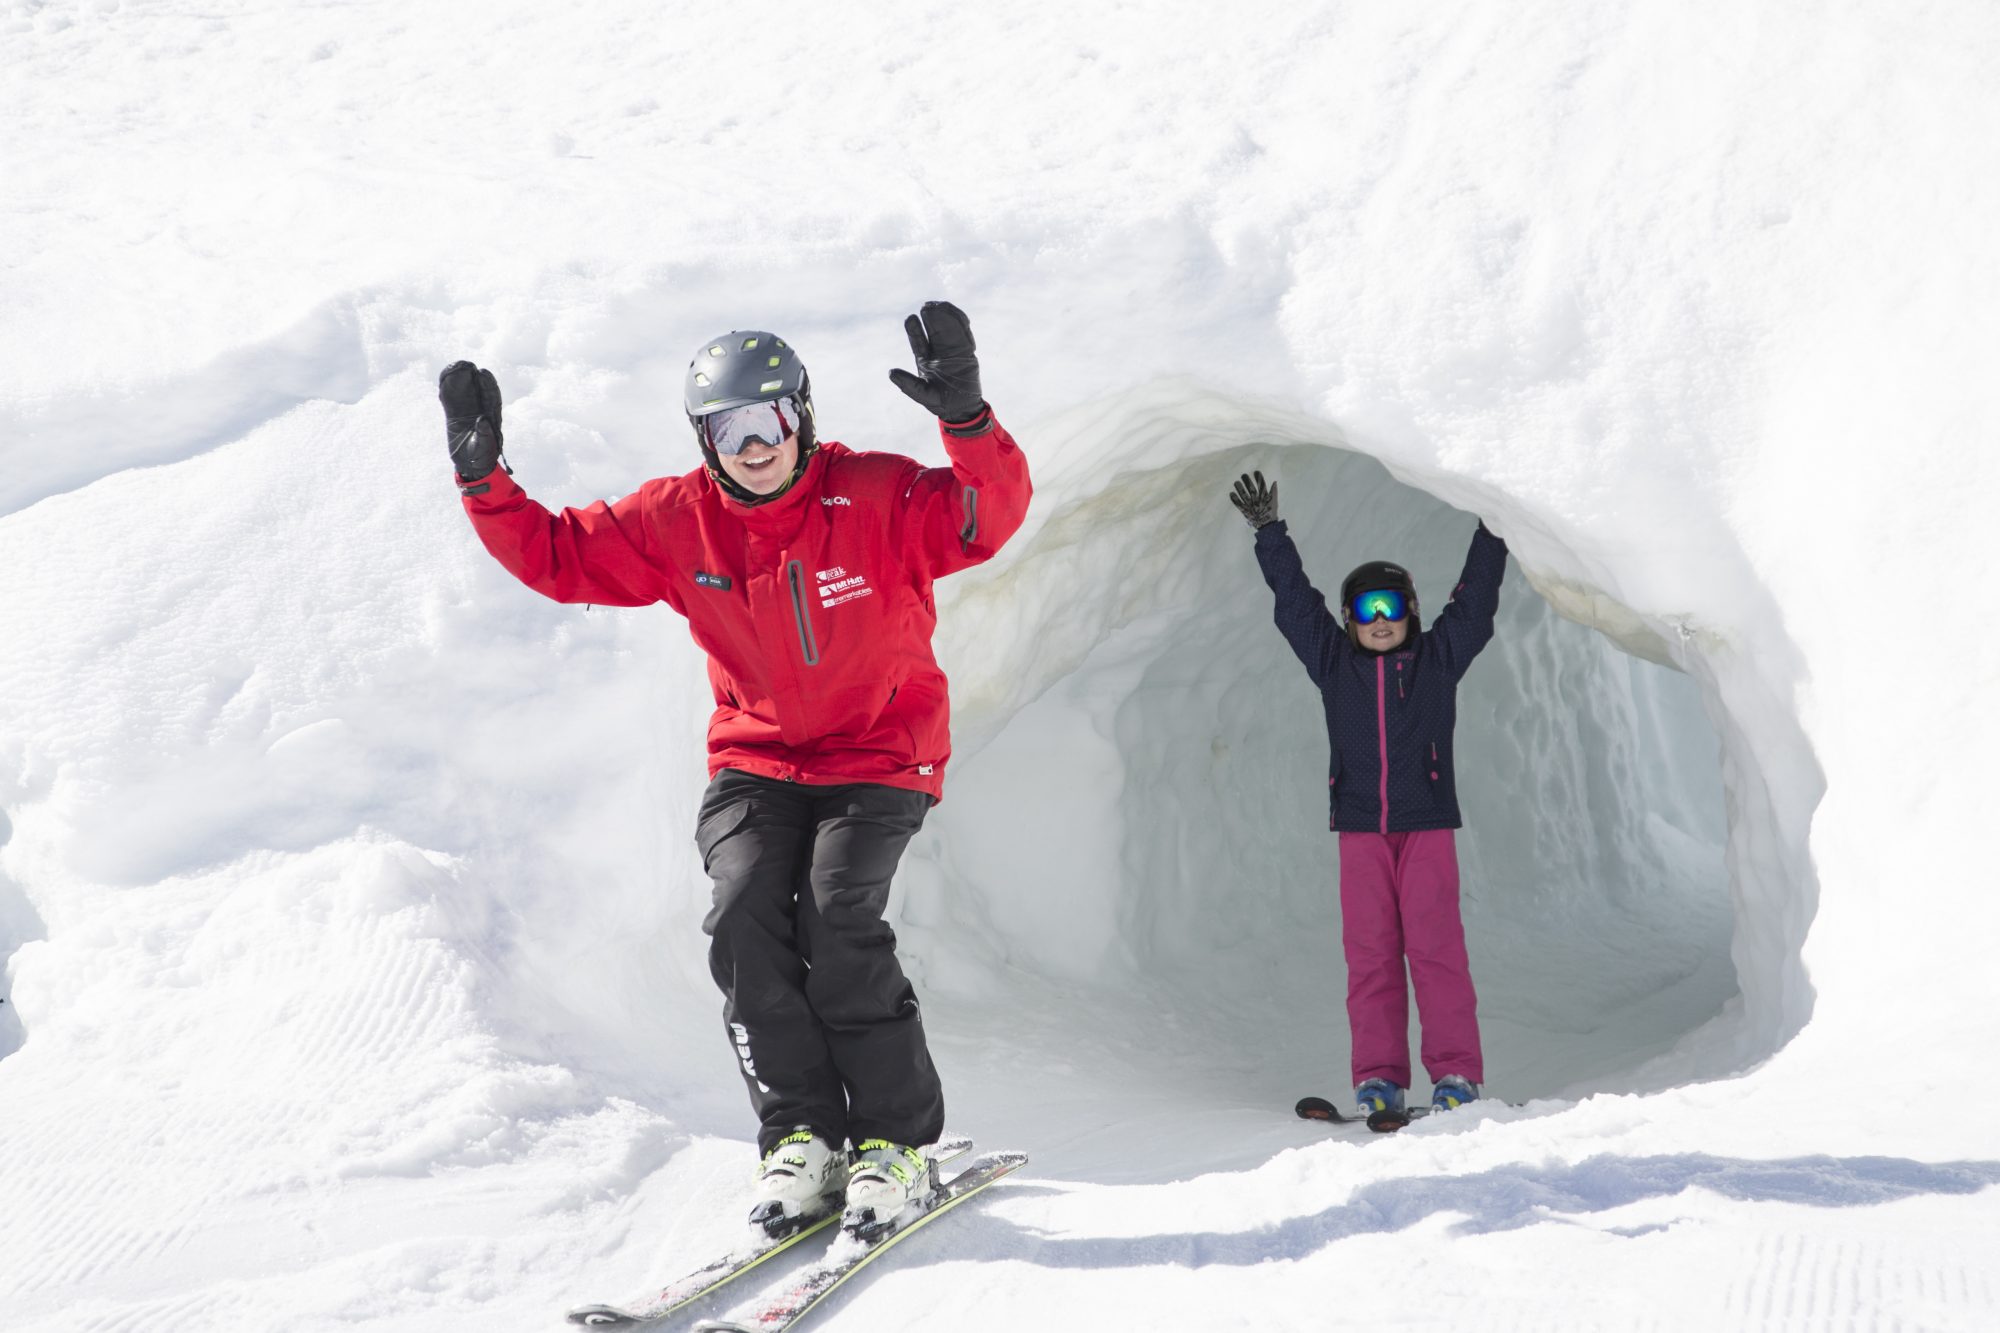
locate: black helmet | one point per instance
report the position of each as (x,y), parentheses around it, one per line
(1373,576)
(741,367)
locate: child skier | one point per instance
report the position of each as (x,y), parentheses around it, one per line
(804,570)
(1390,691)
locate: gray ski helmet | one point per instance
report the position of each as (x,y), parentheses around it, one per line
(1374,575)
(736,369)
(739,367)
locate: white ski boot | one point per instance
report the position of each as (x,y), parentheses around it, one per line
(889,1184)
(801,1180)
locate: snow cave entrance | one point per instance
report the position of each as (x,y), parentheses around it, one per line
(1136,825)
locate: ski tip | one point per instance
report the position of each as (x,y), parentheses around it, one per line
(1318,1108)
(601,1316)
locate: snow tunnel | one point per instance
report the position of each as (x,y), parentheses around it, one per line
(1133,852)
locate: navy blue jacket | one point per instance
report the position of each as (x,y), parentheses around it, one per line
(1389,716)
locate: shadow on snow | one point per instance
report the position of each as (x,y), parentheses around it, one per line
(1513,1197)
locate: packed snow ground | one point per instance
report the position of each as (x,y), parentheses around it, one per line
(351,917)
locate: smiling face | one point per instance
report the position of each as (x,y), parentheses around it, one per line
(763,469)
(1382,636)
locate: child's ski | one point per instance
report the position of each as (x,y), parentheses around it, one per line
(1382,1122)
(849,1255)
(677,1296)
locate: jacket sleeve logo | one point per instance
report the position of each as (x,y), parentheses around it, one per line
(720,582)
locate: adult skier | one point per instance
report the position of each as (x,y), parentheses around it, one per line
(1390,690)
(804,569)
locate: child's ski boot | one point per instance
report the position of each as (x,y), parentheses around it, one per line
(1381,1104)
(801,1180)
(1452,1092)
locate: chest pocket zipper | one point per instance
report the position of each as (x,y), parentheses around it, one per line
(806,641)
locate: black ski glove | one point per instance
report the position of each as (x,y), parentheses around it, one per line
(471,399)
(949,383)
(1257,502)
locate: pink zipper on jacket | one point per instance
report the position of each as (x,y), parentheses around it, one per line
(1382,735)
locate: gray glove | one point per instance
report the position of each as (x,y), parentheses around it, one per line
(1257,502)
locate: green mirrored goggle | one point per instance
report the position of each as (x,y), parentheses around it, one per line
(1382,604)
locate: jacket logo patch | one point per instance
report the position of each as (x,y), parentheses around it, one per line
(844,590)
(720,582)
(836,585)
(831,500)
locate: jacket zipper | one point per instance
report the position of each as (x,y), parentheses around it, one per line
(970,532)
(1382,736)
(806,643)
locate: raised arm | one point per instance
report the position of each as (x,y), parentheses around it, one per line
(956,517)
(1301,613)
(601,555)
(1466,623)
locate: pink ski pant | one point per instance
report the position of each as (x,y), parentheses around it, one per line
(1399,896)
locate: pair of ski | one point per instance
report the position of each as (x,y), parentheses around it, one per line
(811,1286)
(1382,1122)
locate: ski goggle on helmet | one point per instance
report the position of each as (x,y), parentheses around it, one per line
(734,429)
(1381,604)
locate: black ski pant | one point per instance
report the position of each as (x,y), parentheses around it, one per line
(824,1024)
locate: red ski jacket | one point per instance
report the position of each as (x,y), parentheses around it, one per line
(815,609)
